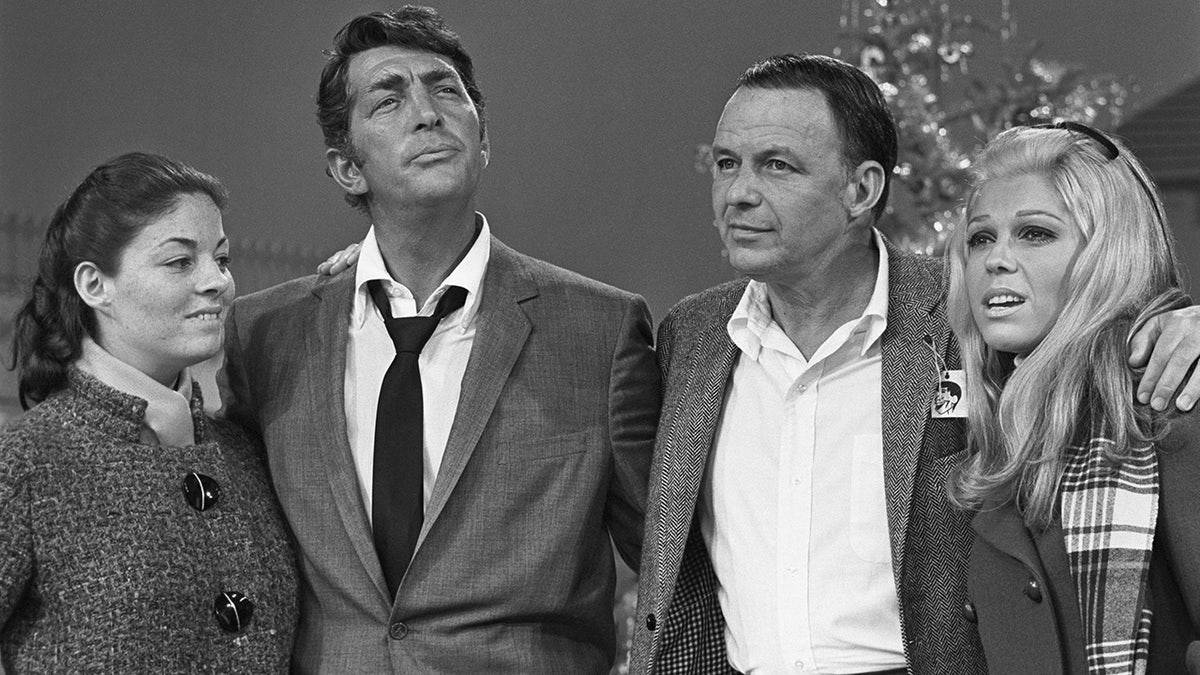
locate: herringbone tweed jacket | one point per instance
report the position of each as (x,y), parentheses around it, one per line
(679,627)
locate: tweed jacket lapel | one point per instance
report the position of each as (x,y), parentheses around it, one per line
(501,331)
(325,350)
(697,358)
(687,443)
(909,379)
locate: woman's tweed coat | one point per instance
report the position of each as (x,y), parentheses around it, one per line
(104,567)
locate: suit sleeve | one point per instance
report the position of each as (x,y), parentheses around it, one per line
(232,382)
(664,348)
(634,398)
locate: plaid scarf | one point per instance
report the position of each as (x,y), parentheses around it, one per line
(1108,519)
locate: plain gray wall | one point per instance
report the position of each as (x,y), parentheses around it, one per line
(595,107)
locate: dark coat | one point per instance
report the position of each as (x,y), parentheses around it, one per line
(1022,593)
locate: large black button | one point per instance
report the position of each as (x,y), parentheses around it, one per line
(650,622)
(397,631)
(1033,590)
(968,612)
(201,491)
(233,611)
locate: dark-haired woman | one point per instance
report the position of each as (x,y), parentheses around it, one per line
(137,535)
(1087,554)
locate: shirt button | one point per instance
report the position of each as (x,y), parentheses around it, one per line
(397,631)
(796,480)
(801,388)
(792,570)
(800,664)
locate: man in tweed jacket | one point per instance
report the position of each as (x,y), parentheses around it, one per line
(798,519)
(862,582)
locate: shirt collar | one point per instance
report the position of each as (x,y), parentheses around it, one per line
(752,318)
(468,274)
(168,411)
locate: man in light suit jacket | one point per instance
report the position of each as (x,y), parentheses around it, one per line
(798,519)
(540,396)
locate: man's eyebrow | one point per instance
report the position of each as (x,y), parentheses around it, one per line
(438,75)
(773,149)
(399,82)
(389,82)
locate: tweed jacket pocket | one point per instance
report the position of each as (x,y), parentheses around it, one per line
(547,448)
(946,437)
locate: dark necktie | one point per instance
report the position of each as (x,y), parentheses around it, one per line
(397,511)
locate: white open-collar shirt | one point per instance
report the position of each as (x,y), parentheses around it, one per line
(443,360)
(793,508)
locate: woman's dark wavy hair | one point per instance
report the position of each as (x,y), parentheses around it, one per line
(104,213)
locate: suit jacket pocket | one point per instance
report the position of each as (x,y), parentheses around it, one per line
(547,448)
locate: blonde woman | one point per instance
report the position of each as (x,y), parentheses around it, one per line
(1087,549)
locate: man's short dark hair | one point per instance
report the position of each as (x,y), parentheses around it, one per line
(951,387)
(411,27)
(863,118)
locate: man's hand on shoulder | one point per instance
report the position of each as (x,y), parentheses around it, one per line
(1168,347)
(339,262)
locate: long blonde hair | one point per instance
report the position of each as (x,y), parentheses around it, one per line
(1022,421)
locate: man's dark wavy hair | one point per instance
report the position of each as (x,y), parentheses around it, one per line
(863,118)
(410,27)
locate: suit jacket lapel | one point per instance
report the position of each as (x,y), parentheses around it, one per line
(909,379)
(501,331)
(326,345)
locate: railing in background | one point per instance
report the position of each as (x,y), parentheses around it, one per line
(20,239)
(257,263)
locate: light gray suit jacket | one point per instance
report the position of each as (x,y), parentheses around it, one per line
(679,626)
(547,456)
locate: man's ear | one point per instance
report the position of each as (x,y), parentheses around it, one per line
(485,147)
(865,188)
(93,286)
(346,172)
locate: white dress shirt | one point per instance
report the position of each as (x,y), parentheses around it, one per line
(793,507)
(443,360)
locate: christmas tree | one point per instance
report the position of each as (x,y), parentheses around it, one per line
(953,82)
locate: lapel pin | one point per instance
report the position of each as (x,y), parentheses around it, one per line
(948,400)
